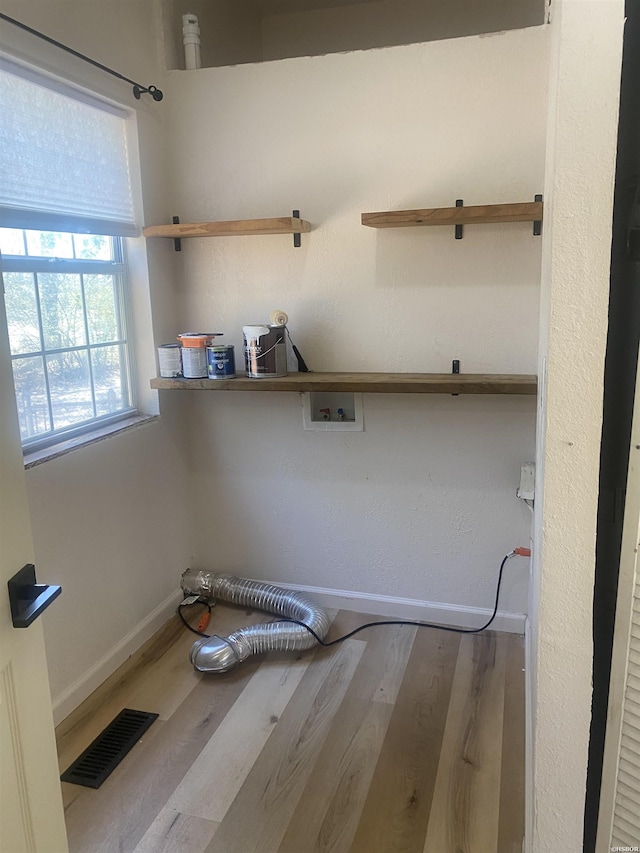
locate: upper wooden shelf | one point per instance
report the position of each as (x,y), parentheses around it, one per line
(528,211)
(230,228)
(371,383)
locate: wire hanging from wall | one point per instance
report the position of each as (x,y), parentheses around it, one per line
(138,90)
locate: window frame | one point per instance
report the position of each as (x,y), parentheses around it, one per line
(116,267)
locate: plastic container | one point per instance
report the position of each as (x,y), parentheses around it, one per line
(198,339)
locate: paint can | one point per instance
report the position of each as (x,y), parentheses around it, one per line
(170,361)
(221,363)
(194,353)
(265,351)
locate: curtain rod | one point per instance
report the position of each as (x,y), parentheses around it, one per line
(138,90)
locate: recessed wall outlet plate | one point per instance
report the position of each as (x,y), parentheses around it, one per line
(526,490)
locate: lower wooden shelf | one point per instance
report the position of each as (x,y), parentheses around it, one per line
(368,383)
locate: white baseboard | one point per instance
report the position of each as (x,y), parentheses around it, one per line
(411,609)
(84,686)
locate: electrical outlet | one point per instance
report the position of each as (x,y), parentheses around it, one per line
(526,490)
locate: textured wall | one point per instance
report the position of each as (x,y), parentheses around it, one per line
(574,301)
(422,504)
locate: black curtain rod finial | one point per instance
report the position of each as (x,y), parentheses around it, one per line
(155,93)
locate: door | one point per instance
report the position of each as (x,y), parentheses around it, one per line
(619,812)
(31,814)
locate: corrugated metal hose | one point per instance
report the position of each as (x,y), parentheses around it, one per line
(219,654)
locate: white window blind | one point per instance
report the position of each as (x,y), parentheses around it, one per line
(64,161)
(619,809)
(626,817)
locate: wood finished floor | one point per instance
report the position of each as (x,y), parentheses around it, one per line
(400,739)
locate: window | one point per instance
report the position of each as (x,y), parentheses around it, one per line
(66,316)
(66,204)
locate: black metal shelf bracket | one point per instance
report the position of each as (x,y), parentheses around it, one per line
(296,237)
(537,224)
(177,243)
(459,231)
(455,368)
(27,598)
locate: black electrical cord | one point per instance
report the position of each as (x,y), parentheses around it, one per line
(184,621)
(384,622)
(410,622)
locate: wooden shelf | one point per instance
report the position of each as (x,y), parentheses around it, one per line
(231,228)
(370,383)
(528,211)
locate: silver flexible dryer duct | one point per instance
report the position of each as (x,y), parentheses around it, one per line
(218,654)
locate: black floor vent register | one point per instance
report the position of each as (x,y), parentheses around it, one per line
(101,758)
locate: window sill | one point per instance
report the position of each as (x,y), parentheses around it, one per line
(37,457)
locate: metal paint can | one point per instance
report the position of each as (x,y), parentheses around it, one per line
(221,363)
(194,353)
(194,362)
(170,361)
(265,351)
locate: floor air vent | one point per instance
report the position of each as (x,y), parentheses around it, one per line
(101,758)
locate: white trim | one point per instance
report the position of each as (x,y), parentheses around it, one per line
(82,687)
(410,608)
(529,711)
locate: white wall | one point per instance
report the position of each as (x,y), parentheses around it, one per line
(585,81)
(422,504)
(109,521)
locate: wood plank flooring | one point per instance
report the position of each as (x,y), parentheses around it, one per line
(399,739)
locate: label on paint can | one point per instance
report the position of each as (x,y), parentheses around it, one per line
(170,361)
(194,362)
(221,362)
(265,352)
